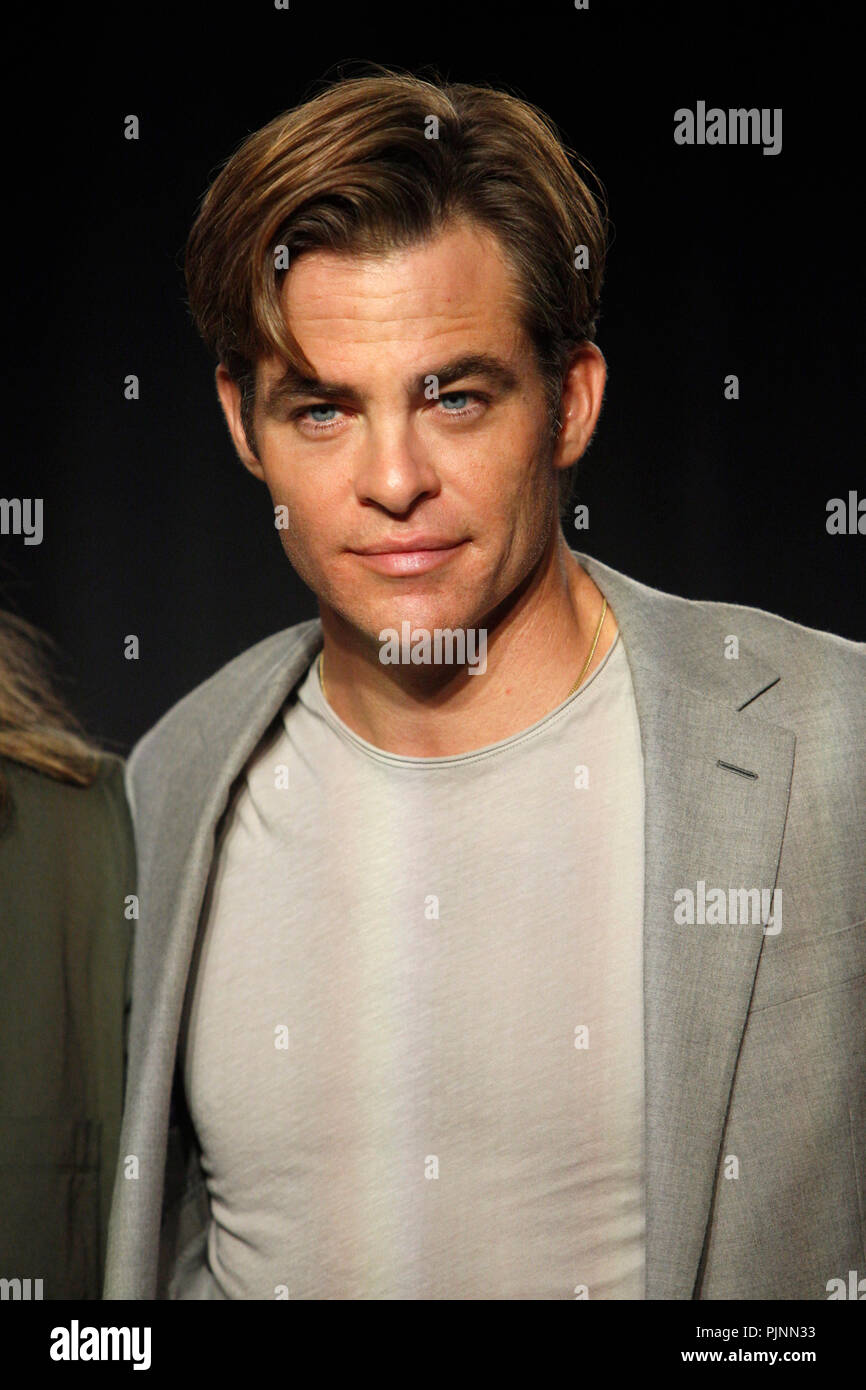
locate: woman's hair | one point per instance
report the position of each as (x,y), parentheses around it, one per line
(36,728)
(377,163)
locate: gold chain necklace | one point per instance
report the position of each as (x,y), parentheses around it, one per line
(591,651)
(571,691)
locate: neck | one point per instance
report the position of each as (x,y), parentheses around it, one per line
(538,643)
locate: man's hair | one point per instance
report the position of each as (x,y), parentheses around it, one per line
(374,164)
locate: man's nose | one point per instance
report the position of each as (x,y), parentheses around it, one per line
(394,466)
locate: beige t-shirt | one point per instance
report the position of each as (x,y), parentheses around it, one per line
(414,1048)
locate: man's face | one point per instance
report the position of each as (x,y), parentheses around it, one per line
(370,458)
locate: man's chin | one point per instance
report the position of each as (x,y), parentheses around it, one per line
(410,620)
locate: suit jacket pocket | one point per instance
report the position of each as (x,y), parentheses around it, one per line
(49,1204)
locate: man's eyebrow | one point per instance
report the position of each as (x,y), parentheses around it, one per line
(292,384)
(481,364)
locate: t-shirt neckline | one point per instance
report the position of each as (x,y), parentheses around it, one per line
(314,696)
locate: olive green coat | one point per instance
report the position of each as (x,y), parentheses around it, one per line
(66,867)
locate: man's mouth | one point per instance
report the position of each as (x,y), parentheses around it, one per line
(408,556)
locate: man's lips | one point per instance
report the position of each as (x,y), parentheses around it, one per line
(415,556)
(394,545)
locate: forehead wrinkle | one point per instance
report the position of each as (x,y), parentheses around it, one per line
(334,338)
(322,309)
(366,282)
(365,285)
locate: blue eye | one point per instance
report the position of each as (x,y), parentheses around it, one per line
(458,399)
(317,410)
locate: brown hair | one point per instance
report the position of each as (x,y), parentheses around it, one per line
(354,170)
(35,726)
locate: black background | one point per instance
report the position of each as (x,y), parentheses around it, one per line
(724,260)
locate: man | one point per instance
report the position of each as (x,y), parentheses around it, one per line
(462,969)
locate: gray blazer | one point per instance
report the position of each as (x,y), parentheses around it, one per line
(755,1046)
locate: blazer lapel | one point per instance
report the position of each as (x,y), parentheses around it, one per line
(704,822)
(234,728)
(175,852)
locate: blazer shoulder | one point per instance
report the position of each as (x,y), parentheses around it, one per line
(777,638)
(807,658)
(242,673)
(804,666)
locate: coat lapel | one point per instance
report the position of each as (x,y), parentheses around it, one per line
(234,728)
(176,846)
(703,822)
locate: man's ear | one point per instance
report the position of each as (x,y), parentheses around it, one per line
(580,404)
(230,399)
